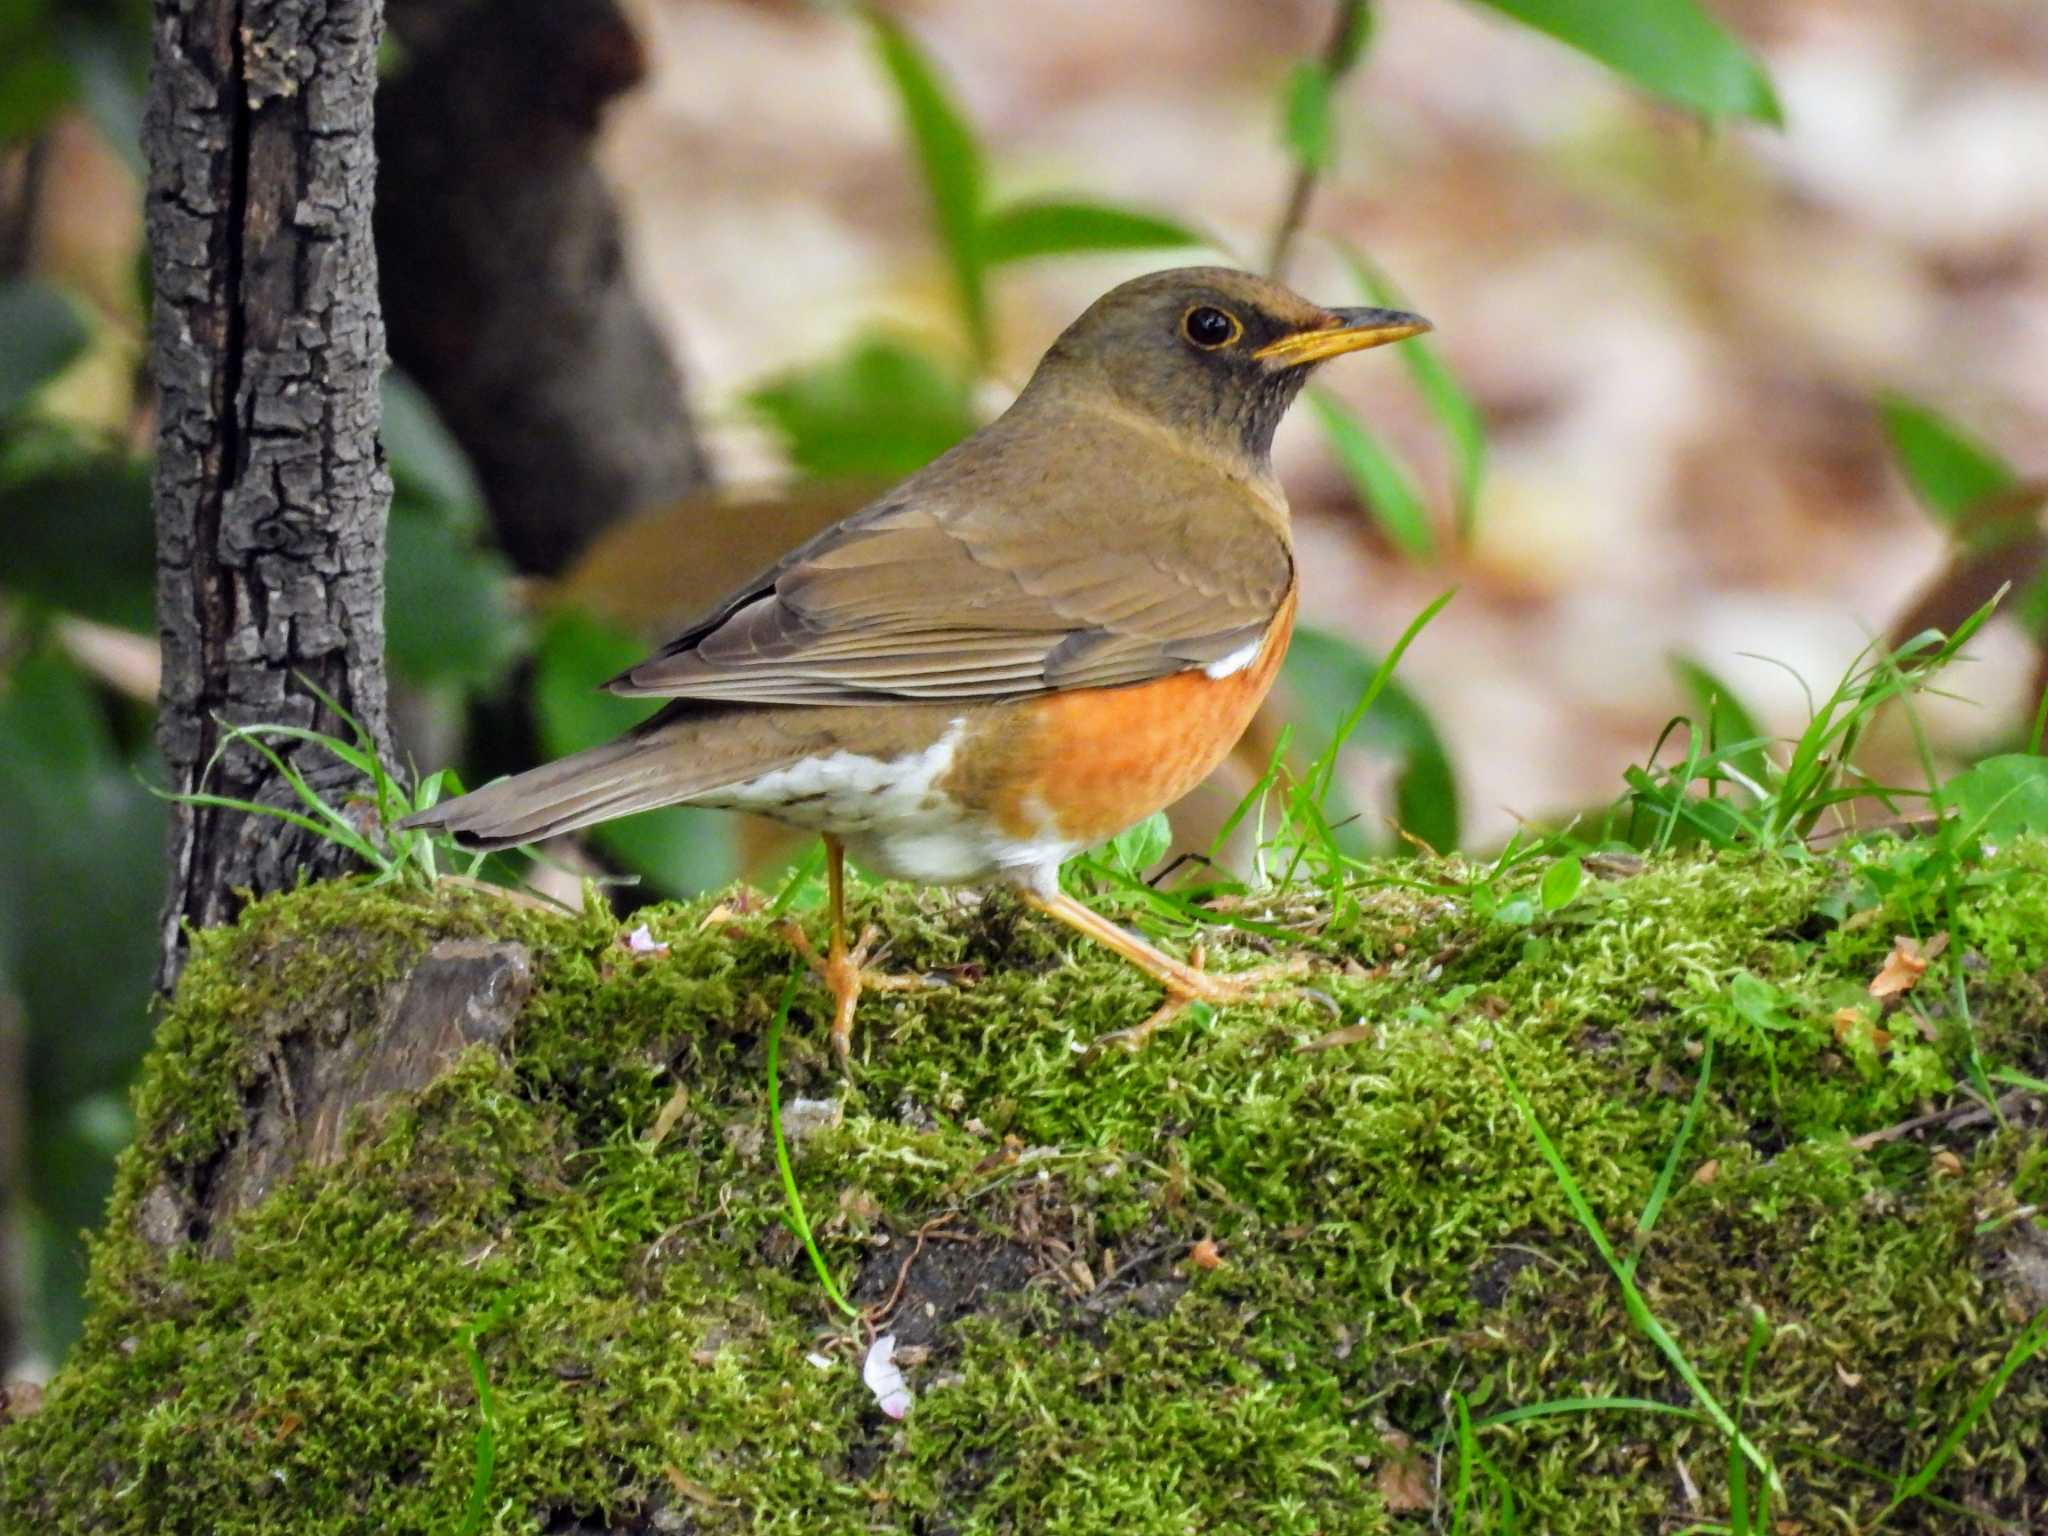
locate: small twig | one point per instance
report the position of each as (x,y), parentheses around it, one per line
(1969,1112)
(874,1317)
(1350,16)
(1098,1296)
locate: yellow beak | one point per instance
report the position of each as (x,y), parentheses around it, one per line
(1350,330)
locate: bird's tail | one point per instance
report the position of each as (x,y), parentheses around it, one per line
(640,772)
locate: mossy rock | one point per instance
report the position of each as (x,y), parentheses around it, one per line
(1240,1280)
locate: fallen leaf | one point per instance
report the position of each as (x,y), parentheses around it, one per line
(1403,1478)
(1848,1020)
(1906,964)
(671,1112)
(1203,1254)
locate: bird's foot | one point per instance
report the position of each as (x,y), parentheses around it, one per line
(1188,983)
(845,973)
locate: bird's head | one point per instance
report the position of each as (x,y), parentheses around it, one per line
(1210,353)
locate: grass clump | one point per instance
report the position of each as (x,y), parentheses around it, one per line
(1315,1269)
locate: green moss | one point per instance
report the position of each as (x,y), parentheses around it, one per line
(1387,1228)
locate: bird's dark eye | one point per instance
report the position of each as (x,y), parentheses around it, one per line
(1209,327)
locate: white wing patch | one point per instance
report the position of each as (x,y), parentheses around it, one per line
(1237,660)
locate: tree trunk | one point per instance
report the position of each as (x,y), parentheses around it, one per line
(510,299)
(266,348)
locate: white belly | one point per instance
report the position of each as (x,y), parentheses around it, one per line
(895,820)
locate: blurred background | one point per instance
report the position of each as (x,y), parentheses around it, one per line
(1741,364)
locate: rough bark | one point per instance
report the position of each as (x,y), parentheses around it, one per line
(508,294)
(266,348)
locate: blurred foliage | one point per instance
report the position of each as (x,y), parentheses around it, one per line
(91,54)
(676,850)
(1949,471)
(1071,227)
(81,881)
(43,334)
(75,529)
(1671,48)
(1997,524)
(880,412)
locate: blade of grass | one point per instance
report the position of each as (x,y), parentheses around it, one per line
(801,876)
(1661,1190)
(1740,1517)
(1257,793)
(487,1415)
(1172,905)
(2032,1340)
(1568,1405)
(798,1222)
(1325,765)
(1638,1309)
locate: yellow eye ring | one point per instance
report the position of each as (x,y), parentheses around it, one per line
(1210,328)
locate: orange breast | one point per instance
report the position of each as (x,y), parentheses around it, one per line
(1088,763)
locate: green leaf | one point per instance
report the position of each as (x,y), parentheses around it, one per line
(78,536)
(1561,882)
(1137,849)
(35,78)
(1324,675)
(1382,483)
(425,458)
(1059,227)
(1307,122)
(680,850)
(40,334)
(1757,1002)
(950,159)
(1949,471)
(1456,415)
(1727,719)
(2002,797)
(1351,47)
(880,411)
(449,616)
(1670,47)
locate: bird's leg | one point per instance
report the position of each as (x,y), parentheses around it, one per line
(844,969)
(1185,982)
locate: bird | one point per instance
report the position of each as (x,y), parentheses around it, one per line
(1048,633)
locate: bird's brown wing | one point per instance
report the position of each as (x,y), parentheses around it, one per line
(949,596)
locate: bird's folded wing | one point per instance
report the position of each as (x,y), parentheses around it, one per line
(907,601)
